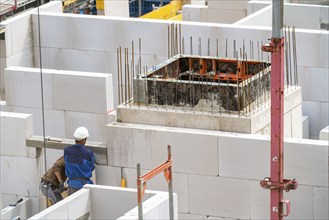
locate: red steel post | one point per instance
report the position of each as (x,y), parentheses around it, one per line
(277,135)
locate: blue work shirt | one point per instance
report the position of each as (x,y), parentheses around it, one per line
(79,164)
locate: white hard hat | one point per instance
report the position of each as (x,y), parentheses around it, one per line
(81,133)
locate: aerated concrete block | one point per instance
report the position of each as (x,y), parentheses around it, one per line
(224,16)
(108,175)
(216,196)
(188,216)
(192,12)
(301,203)
(313,111)
(296,122)
(19,175)
(259,201)
(23,88)
(60,35)
(17,27)
(15,128)
(306,127)
(180,185)
(129,144)
(95,123)
(324,134)
(23,58)
(307,161)
(235,5)
(321,203)
(54,121)
(287,125)
(244,156)
(193,152)
(324,114)
(315,84)
(93,94)
(98,42)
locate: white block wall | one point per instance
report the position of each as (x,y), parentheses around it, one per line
(19,50)
(15,128)
(231,187)
(99,55)
(324,134)
(116,8)
(71,99)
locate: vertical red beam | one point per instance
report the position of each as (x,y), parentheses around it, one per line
(277,129)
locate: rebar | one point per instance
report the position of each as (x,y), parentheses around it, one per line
(121,80)
(118,66)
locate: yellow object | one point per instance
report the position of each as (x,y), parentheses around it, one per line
(68,2)
(123,183)
(178,17)
(166,12)
(100,4)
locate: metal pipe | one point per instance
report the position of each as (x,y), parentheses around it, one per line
(139,193)
(118,66)
(139,8)
(121,76)
(295,54)
(277,18)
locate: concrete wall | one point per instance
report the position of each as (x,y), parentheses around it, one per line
(104,202)
(20,168)
(19,49)
(314,15)
(218,173)
(226,12)
(116,8)
(324,134)
(71,99)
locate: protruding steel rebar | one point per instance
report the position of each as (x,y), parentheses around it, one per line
(121,89)
(118,67)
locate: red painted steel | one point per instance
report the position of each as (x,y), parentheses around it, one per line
(277,110)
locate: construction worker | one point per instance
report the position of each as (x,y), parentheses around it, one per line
(52,183)
(79,161)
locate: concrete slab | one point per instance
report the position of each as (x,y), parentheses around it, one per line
(183,118)
(94,93)
(15,128)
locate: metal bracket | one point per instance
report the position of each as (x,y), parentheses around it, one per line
(274,46)
(286,185)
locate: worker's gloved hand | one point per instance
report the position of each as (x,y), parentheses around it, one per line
(61,187)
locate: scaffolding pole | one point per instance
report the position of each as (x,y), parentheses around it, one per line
(279,207)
